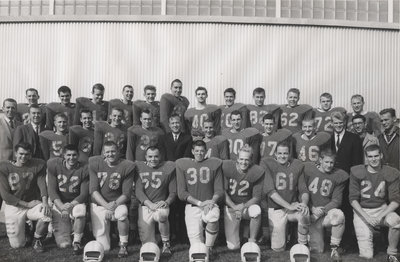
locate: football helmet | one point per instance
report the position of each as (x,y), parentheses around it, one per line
(250,251)
(149,252)
(198,252)
(299,253)
(93,252)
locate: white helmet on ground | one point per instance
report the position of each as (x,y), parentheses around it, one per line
(250,251)
(299,253)
(149,252)
(198,252)
(93,252)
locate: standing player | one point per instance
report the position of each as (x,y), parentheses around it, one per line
(32,97)
(68,186)
(96,105)
(200,185)
(23,189)
(125,104)
(196,116)
(325,185)
(373,120)
(322,114)
(229,107)
(292,112)
(111,180)
(374,196)
(217,146)
(258,110)
(83,136)
(238,137)
(52,142)
(284,186)
(65,107)
(389,140)
(156,191)
(243,192)
(150,104)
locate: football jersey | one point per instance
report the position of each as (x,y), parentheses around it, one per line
(84,139)
(24,183)
(127,108)
(156,184)
(52,144)
(256,114)
(99,111)
(291,117)
(23,113)
(218,147)
(140,105)
(196,117)
(111,182)
(200,180)
(286,180)
(374,190)
(373,122)
(323,118)
(236,141)
(308,150)
(67,185)
(269,143)
(53,109)
(104,132)
(170,104)
(326,190)
(226,115)
(139,139)
(241,187)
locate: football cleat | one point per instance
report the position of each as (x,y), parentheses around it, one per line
(149,252)
(335,256)
(166,250)
(38,245)
(93,252)
(392,258)
(123,252)
(198,252)
(77,248)
(299,253)
(250,251)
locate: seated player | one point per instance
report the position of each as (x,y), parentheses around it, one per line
(68,186)
(110,187)
(23,189)
(200,185)
(52,142)
(243,191)
(325,185)
(284,185)
(150,104)
(96,105)
(217,146)
(229,107)
(83,135)
(156,191)
(374,195)
(65,107)
(125,104)
(322,114)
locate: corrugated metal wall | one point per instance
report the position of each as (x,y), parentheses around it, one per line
(342,61)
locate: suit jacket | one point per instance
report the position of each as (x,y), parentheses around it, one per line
(174,150)
(6,138)
(25,133)
(350,151)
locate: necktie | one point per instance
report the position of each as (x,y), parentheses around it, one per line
(175,137)
(338,141)
(12,124)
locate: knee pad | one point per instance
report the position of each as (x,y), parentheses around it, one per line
(336,217)
(254,211)
(161,215)
(121,213)
(211,216)
(392,220)
(79,211)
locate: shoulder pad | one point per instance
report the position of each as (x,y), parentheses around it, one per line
(256,172)
(341,175)
(323,135)
(38,162)
(309,167)
(252,131)
(297,163)
(228,166)
(390,174)
(358,171)
(285,132)
(181,162)
(213,162)
(168,166)
(219,139)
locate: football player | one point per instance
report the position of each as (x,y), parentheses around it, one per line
(68,186)
(200,185)
(243,191)
(373,120)
(284,185)
(32,97)
(83,135)
(230,105)
(150,104)
(110,187)
(65,107)
(374,194)
(323,113)
(125,104)
(217,146)
(23,189)
(196,116)
(292,112)
(238,137)
(156,190)
(52,142)
(325,185)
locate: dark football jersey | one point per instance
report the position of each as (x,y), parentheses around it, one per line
(323,118)
(326,190)
(308,150)
(287,180)
(241,187)
(156,184)
(195,117)
(67,185)
(111,182)
(250,136)
(84,139)
(53,109)
(269,143)
(226,115)
(127,108)
(99,111)
(103,132)
(170,104)
(24,183)
(373,122)
(140,105)
(372,190)
(256,113)
(291,117)
(52,144)
(139,139)
(218,147)
(200,180)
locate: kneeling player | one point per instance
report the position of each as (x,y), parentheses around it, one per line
(111,180)
(200,184)
(284,185)
(325,185)
(374,195)
(22,184)
(243,185)
(68,187)
(156,190)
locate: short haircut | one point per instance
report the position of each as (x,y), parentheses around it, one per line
(246,148)
(64,89)
(146,111)
(391,111)
(199,143)
(357,96)
(327,95)
(294,90)
(97,86)
(338,115)
(196,132)
(359,116)
(174,116)
(236,112)
(60,115)
(258,90)
(70,147)
(34,106)
(371,148)
(152,148)
(268,116)
(117,109)
(230,90)
(85,111)
(201,88)
(126,86)
(284,143)
(208,121)
(24,145)
(110,143)
(31,90)
(149,87)
(11,100)
(176,81)
(327,152)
